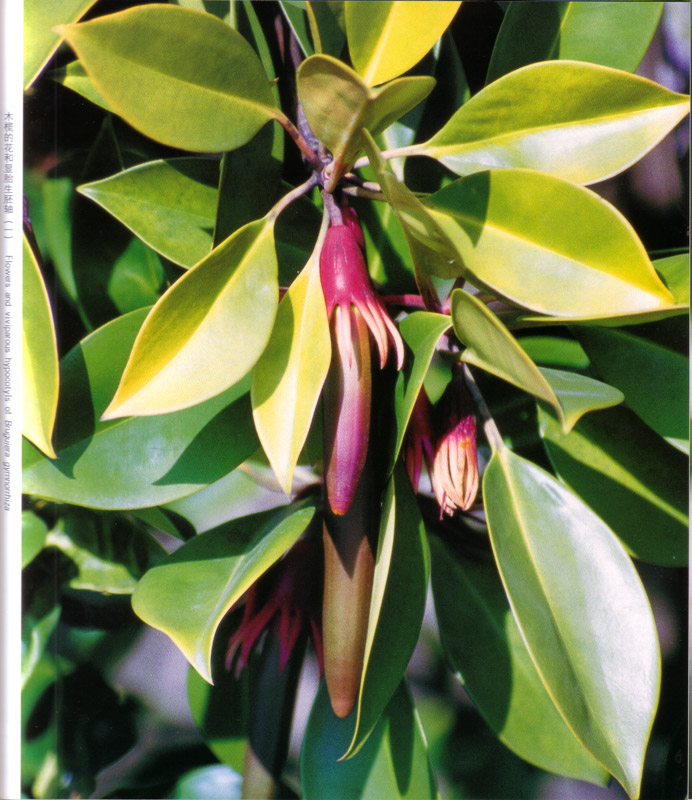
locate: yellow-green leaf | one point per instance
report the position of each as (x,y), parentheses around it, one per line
(547,245)
(179,76)
(190,592)
(582,122)
(338,105)
(385,39)
(208,329)
(40,40)
(288,378)
(39,358)
(581,608)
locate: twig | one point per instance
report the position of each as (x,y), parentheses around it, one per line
(492,434)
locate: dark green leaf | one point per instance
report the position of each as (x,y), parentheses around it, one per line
(485,647)
(393,763)
(581,608)
(629,477)
(612,34)
(122,463)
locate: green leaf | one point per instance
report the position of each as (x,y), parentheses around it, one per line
(219,712)
(338,105)
(35,635)
(393,763)
(326,26)
(208,329)
(288,378)
(40,40)
(432,250)
(581,608)
(490,346)
(556,351)
(400,585)
(605,121)
(421,331)
(388,38)
(611,34)
(629,477)
(136,278)
(34,531)
(298,23)
(179,76)
(123,464)
(108,557)
(40,377)
(654,379)
(547,245)
(170,204)
(578,394)
(74,77)
(189,593)
(675,271)
(484,646)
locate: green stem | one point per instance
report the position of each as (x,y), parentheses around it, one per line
(397,152)
(294,194)
(492,434)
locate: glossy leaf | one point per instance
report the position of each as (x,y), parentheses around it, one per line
(40,378)
(215,568)
(74,77)
(421,331)
(170,204)
(433,252)
(556,351)
(629,477)
(581,608)
(338,105)
(219,712)
(136,278)
(393,763)
(578,394)
(548,245)
(388,38)
(654,379)
(297,20)
(485,648)
(123,464)
(613,35)
(34,531)
(179,76)
(676,274)
(605,121)
(288,378)
(108,556)
(326,25)
(400,585)
(208,329)
(40,38)
(490,346)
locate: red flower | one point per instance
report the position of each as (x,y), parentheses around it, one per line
(355,312)
(419,444)
(285,601)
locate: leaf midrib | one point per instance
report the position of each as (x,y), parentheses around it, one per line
(488,225)
(450,149)
(267,110)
